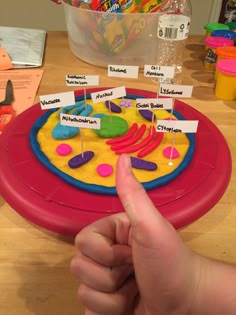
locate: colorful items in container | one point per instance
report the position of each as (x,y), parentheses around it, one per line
(74,3)
(122,6)
(212,43)
(226,80)
(111,27)
(105,5)
(117,30)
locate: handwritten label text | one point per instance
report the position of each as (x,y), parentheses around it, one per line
(177,126)
(159,71)
(172,90)
(57,100)
(107,95)
(154,103)
(123,71)
(81,80)
(80,121)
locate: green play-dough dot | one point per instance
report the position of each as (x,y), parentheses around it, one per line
(111,127)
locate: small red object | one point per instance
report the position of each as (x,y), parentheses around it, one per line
(7,114)
(56,1)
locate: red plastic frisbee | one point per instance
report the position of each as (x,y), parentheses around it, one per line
(44,199)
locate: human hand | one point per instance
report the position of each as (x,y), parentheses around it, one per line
(134,263)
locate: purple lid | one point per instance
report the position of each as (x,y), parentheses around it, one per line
(227,66)
(218,41)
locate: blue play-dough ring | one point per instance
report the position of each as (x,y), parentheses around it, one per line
(100,189)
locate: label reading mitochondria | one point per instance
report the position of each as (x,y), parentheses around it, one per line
(79,121)
(173,27)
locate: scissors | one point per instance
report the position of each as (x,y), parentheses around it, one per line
(7,112)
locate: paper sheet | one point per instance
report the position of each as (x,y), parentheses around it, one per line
(5,61)
(24,46)
(25,85)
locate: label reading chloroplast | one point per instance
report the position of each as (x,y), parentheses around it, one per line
(173,27)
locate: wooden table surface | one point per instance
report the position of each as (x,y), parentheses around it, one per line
(34,263)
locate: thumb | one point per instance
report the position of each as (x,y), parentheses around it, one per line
(144,218)
(160,258)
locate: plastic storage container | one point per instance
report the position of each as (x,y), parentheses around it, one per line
(226,80)
(210,27)
(212,43)
(103,38)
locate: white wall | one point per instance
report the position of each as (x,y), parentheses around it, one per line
(201,10)
(45,14)
(42,14)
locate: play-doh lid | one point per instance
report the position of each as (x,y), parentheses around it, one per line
(217,41)
(224,33)
(227,66)
(228,52)
(216,26)
(232,25)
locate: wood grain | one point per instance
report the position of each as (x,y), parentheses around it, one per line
(34,263)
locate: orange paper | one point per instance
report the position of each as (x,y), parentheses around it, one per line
(25,86)
(5,61)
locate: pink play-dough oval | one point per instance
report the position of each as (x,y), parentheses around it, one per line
(104,170)
(167,152)
(63,149)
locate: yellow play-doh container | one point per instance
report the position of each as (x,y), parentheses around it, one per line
(212,43)
(226,80)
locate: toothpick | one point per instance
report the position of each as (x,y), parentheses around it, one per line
(109,105)
(81,142)
(172,149)
(172,110)
(152,124)
(85,98)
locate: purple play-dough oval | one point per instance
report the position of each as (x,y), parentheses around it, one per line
(113,107)
(80,159)
(143,164)
(147,114)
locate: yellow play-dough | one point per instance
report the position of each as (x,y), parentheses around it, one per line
(87,140)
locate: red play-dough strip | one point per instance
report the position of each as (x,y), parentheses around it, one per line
(130,141)
(128,135)
(139,145)
(152,146)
